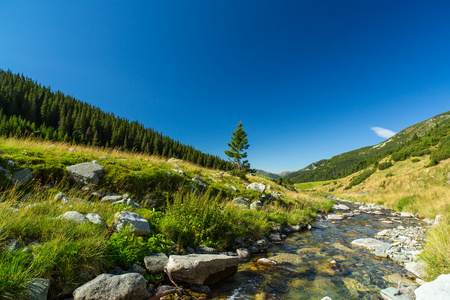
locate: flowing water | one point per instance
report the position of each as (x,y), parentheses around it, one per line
(305,270)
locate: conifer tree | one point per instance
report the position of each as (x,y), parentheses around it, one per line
(238,144)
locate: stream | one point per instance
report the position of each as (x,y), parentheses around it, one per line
(305,269)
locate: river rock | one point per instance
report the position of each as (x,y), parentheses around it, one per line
(22,176)
(37,289)
(369,243)
(203,269)
(436,289)
(86,173)
(200,181)
(392,293)
(275,237)
(266,262)
(259,187)
(417,268)
(139,225)
(333,217)
(340,207)
(243,253)
(406,215)
(156,263)
(202,249)
(131,286)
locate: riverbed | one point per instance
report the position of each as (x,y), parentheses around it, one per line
(321,262)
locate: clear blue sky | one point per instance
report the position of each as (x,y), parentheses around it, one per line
(308,79)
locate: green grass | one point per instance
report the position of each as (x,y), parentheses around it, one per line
(71,254)
(310,185)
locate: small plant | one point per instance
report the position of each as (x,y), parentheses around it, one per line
(414,160)
(126,248)
(389,175)
(405,201)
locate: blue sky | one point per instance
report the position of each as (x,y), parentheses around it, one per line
(308,79)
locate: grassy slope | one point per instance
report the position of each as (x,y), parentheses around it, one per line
(69,255)
(412,187)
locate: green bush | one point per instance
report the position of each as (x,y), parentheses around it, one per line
(405,201)
(360,178)
(414,160)
(125,248)
(389,175)
(384,165)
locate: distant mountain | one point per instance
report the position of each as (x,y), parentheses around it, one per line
(347,163)
(285,173)
(267,174)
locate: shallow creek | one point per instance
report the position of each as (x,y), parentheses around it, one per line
(305,270)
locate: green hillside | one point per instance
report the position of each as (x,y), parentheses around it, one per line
(348,163)
(28,109)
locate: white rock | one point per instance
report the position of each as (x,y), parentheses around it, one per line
(139,225)
(437,289)
(369,243)
(74,216)
(259,187)
(333,217)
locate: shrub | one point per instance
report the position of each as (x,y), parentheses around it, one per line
(384,165)
(389,175)
(126,248)
(360,178)
(414,160)
(405,201)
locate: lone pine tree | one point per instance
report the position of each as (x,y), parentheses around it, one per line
(238,144)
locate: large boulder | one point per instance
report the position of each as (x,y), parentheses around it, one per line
(86,173)
(139,225)
(203,269)
(259,187)
(131,286)
(436,289)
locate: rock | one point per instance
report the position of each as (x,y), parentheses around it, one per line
(256,205)
(333,217)
(6,171)
(86,173)
(195,190)
(156,263)
(137,269)
(128,202)
(340,207)
(275,237)
(386,222)
(37,289)
(261,245)
(383,232)
(266,262)
(369,243)
(202,249)
(200,181)
(139,225)
(326,298)
(417,268)
(13,245)
(243,253)
(428,221)
(66,200)
(59,196)
(74,216)
(22,176)
(163,288)
(131,286)
(241,201)
(259,187)
(407,289)
(181,172)
(406,215)
(95,218)
(111,198)
(436,289)
(202,269)
(202,289)
(10,163)
(437,220)
(392,294)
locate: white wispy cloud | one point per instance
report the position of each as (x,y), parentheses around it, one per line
(382,132)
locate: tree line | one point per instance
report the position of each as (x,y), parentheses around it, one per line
(28,109)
